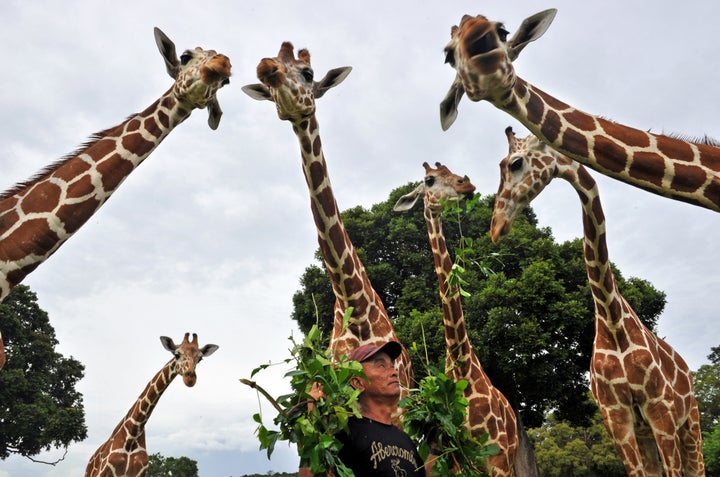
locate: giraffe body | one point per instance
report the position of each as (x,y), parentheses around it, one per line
(39,215)
(289,83)
(642,385)
(669,166)
(124,454)
(489,412)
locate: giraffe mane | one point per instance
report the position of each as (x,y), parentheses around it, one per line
(50,168)
(704,140)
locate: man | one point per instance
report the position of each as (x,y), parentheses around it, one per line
(374,446)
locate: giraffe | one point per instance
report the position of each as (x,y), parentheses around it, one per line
(37,216)
(289,83)
(687,171)
(124,454)
(488,410)
(642,385)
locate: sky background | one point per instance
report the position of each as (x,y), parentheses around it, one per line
(213,231)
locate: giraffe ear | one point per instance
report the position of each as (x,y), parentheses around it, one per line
(407,201)
(332,78)
(449,105)
(532,28)
(168,343)
(257,91)
(167,50)
(214,112)
(208,349)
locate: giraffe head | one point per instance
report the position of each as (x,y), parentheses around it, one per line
(198,75)
(187,355)
(482,57)
(439,186)
(529,166)
(290,83)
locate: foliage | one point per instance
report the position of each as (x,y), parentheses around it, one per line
(313,428)
(40,407)
(564,450)
(531,322)
(707,392)
(435,414)
(160,466)
(711,452)
(273,474)
(465,253)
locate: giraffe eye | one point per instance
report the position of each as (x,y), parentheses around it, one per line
(185,58)
(502,33)
(516,164)
(177,355)
(308,74)
(450,56)
(429,181)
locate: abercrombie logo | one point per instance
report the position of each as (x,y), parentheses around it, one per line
(381,452)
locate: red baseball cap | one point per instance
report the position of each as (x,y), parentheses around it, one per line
(367,351)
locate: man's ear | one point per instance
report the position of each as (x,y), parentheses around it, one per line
(357,383)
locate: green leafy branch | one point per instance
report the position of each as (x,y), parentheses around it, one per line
(466,253)
(313,425)
(435,417)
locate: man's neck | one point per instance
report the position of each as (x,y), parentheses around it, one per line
(380,412)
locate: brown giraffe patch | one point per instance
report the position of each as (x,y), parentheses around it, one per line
(42,198)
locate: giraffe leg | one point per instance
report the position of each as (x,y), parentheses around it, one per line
(2,352)
(663,421)
(619,424)
(691,441)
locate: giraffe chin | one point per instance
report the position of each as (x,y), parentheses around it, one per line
(189,380)
(498,230)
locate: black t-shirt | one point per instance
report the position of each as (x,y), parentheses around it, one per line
(376,449)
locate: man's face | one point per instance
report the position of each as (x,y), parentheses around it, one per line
(382,377)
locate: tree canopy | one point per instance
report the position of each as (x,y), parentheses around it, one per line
(707,391)
(565,450)
(39,406)
(531,322)
(161,466)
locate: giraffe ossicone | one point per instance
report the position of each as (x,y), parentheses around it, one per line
(482,55)
(643,387)
(125,454)
(37,216)
(489,412)
(289,82)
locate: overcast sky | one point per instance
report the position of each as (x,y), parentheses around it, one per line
(213,231)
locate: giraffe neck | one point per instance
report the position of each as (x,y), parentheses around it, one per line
(133,425)
(489,412)
(609,303)
(460,355)
(351,285)
(667,166)
(38,216)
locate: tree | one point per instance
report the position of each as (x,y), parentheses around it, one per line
(707,391)
(711,452)
(40,407)
(160,466)
(531,322)
(565,450)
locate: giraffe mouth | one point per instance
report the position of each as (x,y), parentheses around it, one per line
(479,42)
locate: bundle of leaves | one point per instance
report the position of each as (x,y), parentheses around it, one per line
(313,425)
(435,418)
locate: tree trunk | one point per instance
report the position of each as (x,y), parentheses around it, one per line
(525,463)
